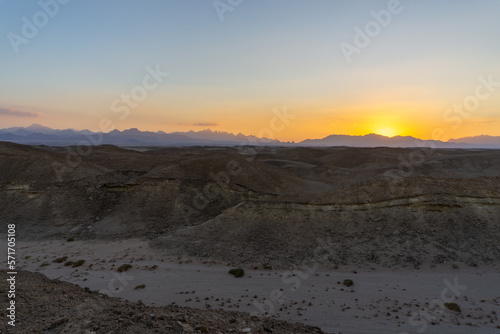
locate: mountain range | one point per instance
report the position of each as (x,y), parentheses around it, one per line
(37,134)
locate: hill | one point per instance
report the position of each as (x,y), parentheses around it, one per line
(271,207)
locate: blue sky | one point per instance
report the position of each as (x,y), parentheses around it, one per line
(263,55)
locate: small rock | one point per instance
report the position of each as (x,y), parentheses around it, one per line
(58,322)
(201,328)
(185,327)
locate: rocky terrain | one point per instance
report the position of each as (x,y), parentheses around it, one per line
(383,300)
(400,222)
(257,206)
(53,306)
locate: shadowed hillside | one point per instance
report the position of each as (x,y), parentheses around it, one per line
(263,205)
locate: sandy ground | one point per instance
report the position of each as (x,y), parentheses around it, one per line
(381,301)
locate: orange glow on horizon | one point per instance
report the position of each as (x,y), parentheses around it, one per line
(388,132)
(419,121)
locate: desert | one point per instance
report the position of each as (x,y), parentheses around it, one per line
(300,222)
(250,166)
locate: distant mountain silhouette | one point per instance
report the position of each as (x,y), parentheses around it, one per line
(481,140)
(35,127)
(37,134)
(375,140)
(225,136)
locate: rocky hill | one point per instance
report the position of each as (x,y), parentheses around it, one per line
(263,206)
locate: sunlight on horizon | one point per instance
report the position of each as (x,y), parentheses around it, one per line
(387,132)
(231,75)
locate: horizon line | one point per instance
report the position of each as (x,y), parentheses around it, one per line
(250,135)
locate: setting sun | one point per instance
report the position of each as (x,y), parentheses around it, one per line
(388,132)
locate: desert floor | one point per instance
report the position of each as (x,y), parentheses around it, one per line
(380,301)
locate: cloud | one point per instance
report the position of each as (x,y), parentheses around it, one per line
(17,113)
(486,122)
(483,121)
(205,124)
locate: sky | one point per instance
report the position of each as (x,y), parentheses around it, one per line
(286,69)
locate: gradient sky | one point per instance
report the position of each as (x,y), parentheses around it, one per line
(265,55)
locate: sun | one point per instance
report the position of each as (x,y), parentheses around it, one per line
(388,132)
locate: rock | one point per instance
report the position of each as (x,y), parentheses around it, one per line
(267,329)
(201,328)
(58,322)
(186,327)
(237,272)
